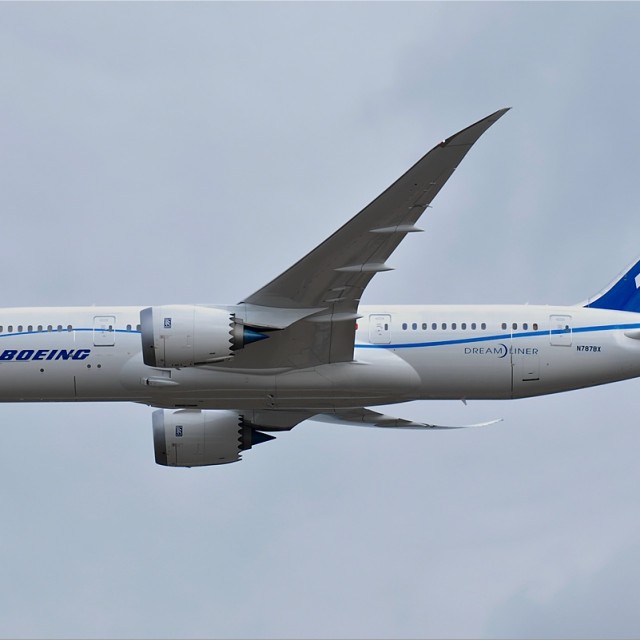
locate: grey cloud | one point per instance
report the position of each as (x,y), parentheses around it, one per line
(592,604)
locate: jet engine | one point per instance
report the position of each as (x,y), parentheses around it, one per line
(188,335)
(194,438)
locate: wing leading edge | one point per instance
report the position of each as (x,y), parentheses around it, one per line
(321,292)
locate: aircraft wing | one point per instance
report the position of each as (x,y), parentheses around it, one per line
(276,420)
(367,418)
(315,301)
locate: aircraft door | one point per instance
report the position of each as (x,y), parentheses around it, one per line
(526,366)
(560,331)
(104,334)
(380,329)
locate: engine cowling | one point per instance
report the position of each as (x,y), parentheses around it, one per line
(194,438)
(187,335)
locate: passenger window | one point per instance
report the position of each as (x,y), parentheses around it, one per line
(49,328)
(424,326)
(483,326)
(453,325)
(535,326)
(10,328)
(19,328)
(30,328)
(404,326)
(138,327)
(525,326)
(39,328)
(463,326)
(504,325)
(129,327)
(434,326)
(514,326)
(59,327)
(444,325)
(69,327)
(473,326)
(414,326)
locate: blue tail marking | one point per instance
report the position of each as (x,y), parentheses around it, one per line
(622,294)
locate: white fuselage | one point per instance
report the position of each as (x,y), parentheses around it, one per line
(401,353)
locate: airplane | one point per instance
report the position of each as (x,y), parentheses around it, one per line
(224,377)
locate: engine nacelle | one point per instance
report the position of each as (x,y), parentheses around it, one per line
(186,335)
(194,438)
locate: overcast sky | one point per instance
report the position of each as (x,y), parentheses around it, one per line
(170,153)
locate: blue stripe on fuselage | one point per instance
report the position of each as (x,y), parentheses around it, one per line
(504,336)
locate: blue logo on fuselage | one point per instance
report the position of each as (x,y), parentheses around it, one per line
(44,354)
(501,350)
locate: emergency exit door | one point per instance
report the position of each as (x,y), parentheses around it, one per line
(560,331)
(104,334)
(380,329)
